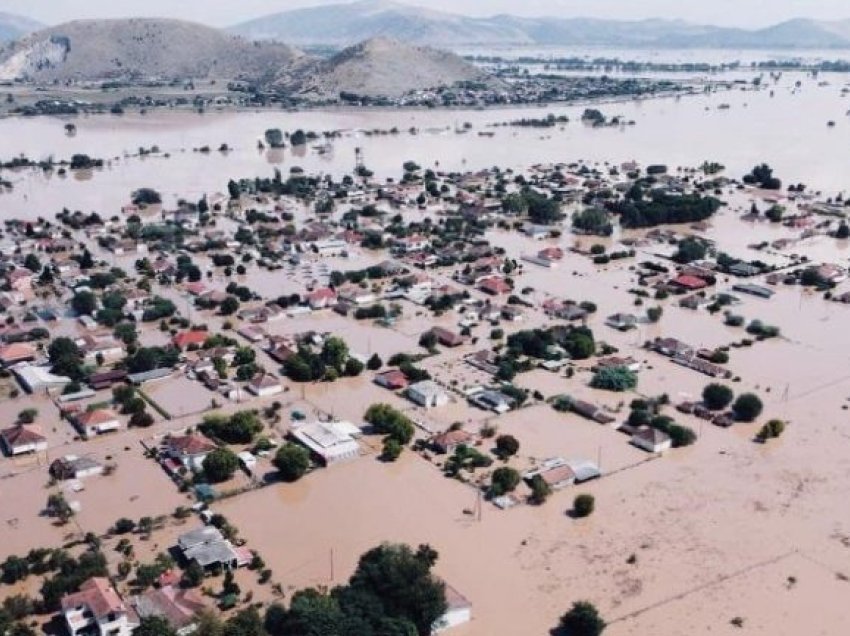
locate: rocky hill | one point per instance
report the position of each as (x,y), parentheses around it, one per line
(138,48)
(344,24)
(14,26)
(379,67)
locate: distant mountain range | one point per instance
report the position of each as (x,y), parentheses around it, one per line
(134,49)
(345,24)
(139,48)
(14,26)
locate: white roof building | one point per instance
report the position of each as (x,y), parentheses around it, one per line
(332,442)
(428,394)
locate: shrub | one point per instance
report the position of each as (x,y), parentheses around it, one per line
(506,446)
(747,407)
(582,620)
(717,397)
(503,480)
(292,461)
(583,505)
(771,430)
(614,379)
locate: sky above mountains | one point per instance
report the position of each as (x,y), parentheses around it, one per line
(743,13)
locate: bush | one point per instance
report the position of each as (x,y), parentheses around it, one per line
(771,430)
(388,421)
(717,397)
(582,620)
(614,379)
(392,449)
(747,407)
(292,461)
(220,465)
(123,526)
(583,505)
(503,480)
(374,362)
(506,446)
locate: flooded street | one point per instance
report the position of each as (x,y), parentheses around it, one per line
(683,543)
(789,131)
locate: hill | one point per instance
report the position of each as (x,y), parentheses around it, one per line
(138,48)
(14,26)
(379,67)
(345,24)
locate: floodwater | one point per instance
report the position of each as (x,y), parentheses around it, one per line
(789,130)
(726,529)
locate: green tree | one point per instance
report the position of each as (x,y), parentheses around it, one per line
(583,505)
(229,306)
(274,137)
(374,362)
(84,303)
(771,430)
(506,446)
(689,250)
(582,619)
(353,367)
(193,575)
(32,263)
(388,421)
(402,580)
(614,379)
(154,626)
(65,358)
(292,461)
(392,450)
(335,353)
(503,480)
(58,507)
(747,407)
(220,465)
(717,397)
(540,490)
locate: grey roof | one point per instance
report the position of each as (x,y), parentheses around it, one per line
(584,469)
(212,553)
(156,374)
(204,534)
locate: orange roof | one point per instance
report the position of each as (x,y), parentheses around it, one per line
(16,352)
(98,595)
(186,338)
(192,444)
(98,416)
(22,435)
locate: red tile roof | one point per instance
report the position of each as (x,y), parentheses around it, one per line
(98,596)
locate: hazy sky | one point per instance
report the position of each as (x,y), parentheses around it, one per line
(750,13)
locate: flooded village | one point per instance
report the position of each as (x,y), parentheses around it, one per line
(417,370)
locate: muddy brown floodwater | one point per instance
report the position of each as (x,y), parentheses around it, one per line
(684,544)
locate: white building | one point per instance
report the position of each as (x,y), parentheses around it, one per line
(265,384)
(97,422)
(34,379)
(332,442)
(97,610)
(23,438)
(428,394)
